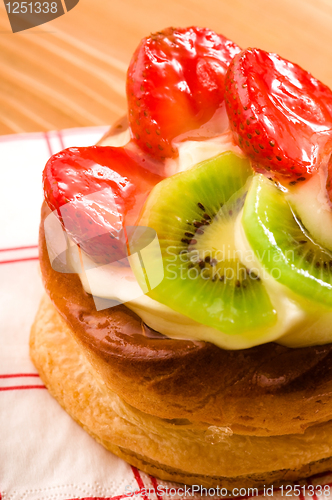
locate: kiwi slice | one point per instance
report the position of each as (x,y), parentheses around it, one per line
(282,244)
(193,214)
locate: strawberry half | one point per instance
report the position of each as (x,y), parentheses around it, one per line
(175,83)
(280,115)
(95,191)
(329,180)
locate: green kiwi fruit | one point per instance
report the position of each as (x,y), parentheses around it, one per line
(282,244)
(193,214)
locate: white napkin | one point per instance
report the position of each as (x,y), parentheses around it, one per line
(44,454)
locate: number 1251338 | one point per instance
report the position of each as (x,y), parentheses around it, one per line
(31,7)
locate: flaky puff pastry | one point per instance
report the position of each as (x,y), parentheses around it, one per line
(181,451)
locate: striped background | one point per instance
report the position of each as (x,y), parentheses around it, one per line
(71,72)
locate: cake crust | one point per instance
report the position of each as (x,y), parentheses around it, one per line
(266,390)
(154,445)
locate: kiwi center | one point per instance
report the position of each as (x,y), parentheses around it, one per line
(194,215)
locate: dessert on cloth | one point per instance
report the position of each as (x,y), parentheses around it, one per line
(187,264)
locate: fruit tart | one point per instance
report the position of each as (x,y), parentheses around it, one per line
(187,264)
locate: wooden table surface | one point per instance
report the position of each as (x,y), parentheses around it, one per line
(71,71)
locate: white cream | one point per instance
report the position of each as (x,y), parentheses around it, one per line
(192,152)
(193,149)
(298,323)
(293,315)
(312,204)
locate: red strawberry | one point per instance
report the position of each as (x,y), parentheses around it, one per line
(95,191)
(175,83)
(280,115)
(329,180)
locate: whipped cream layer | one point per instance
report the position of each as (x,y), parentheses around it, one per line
(299,322)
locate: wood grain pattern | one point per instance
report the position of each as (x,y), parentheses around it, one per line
(71,72)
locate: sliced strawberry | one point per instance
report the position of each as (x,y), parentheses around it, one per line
(175,83)
(95,191)
(329,180)
(280,115)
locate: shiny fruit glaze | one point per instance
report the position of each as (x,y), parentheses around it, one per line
(73,176)
(329,181)
(280,115)
(175,83)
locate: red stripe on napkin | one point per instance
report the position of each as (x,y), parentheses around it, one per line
(301,496)
(139,481)
(15,254)
(14,261)
(155,487)
(48,142)
(20,387)
(59,134)
(310,483)
(17,248)
(118,497)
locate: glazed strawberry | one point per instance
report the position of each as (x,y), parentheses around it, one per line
(175,83)
(280,115)
(95,191)
(329,180)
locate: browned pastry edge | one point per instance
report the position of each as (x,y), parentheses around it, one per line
(60,366)
(275,478)
(266,390)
